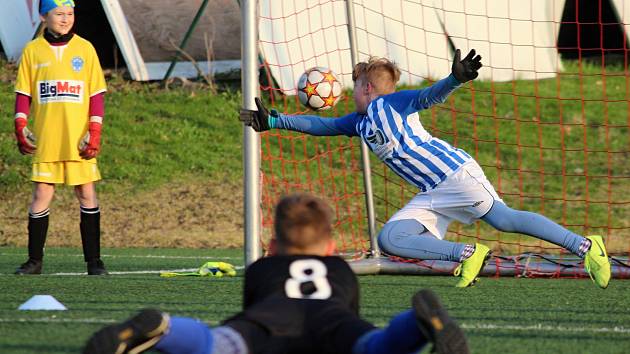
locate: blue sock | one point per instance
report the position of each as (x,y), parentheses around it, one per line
(186,335)
(402,335)
(503,218)
(408,238)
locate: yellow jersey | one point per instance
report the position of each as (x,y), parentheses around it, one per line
(60,81)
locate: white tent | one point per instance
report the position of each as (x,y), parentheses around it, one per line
(516,38)
(623,12)
(18,22)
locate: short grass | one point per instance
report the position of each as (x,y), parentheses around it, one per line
(499,316)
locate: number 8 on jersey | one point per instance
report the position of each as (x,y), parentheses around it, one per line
(307,274)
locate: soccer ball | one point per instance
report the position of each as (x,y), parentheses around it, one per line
(319,88)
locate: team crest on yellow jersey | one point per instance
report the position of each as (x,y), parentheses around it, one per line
(77,64)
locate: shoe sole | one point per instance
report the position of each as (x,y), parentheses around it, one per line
(154,334)
(21,272)
(446,335)
(113,339)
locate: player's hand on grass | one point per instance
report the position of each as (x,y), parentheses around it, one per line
(90,145)
(25,139)
(466,69)
(260,119)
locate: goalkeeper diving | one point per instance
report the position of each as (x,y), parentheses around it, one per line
(451,184)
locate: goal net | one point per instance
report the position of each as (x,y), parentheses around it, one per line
(548,118)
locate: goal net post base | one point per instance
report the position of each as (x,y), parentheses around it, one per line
(524,265)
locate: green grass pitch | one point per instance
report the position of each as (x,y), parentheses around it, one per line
(504,315)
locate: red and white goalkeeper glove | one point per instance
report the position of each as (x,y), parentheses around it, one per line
(90,144)
(25,139)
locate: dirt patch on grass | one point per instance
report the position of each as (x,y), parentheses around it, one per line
(183,215)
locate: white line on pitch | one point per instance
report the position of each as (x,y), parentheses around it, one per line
(131,272)
(488,326)
(124,256)
(53,319)
(56,320)
(541,327)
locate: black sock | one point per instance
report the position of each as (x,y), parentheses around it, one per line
(37,230)
(91,233)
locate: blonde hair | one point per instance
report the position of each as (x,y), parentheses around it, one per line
(381,73)
(302,220)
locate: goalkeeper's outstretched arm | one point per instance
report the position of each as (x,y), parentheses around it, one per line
(462,71)
(409,101)
(315,125)
(263,120)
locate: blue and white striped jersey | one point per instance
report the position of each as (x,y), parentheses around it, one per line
(393,131)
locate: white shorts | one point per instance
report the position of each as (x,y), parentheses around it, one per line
(465,196)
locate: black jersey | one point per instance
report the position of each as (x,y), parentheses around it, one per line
(300,304)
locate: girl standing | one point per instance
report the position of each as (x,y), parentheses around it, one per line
(60,85)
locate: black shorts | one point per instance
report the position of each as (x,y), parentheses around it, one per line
(283,327)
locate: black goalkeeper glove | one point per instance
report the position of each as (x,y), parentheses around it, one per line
(466,69)
(260,118)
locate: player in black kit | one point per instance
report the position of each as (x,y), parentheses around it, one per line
(301,300)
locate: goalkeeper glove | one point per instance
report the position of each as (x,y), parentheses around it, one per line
(90,144)
(260,118)
(208,269)
(466,69)
(25,139)
(217,269)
